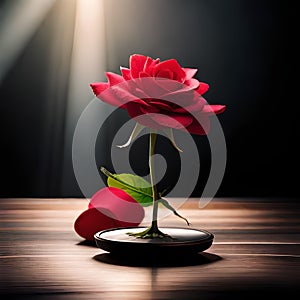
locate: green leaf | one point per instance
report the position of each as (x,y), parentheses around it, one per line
(137,187)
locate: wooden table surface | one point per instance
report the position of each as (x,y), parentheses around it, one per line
(256,252)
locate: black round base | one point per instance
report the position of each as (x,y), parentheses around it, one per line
(184,241)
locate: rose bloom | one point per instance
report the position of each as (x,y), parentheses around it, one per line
(161,93)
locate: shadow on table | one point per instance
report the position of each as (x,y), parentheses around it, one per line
(166,261)
(192,259)
(87,243)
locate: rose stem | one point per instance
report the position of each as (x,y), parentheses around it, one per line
(152,178)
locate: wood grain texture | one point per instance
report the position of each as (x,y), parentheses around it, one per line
(256,251)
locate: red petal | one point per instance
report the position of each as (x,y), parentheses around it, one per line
(134,109)
(183,98)
(199,129)
(189,73)
(110,97)
(172,120)
(161,105)
(151,109)
(213,109)
(172,65)
(170,85)
(143,74)
(109,208)
(192,83)
(137,63)
(125,73)
(135,112)
(151,86)
(149,64)
(106,194)
(118,94)
(194,106)
(158,121)
(113,78)
(93,220)
(125,96)
(165,74)
(203,88)
(99,87)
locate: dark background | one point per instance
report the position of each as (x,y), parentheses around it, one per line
(245,50)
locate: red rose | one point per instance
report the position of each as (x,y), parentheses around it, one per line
(161,94)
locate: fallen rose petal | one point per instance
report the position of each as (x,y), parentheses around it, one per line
(108,208)
(122,206)
(93,220)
